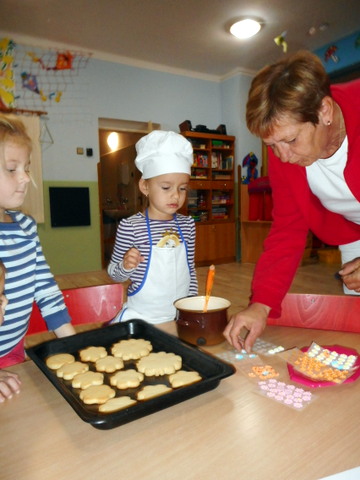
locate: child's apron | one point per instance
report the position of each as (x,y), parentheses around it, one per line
(166,279)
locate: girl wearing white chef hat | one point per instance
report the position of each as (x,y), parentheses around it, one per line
(155,249)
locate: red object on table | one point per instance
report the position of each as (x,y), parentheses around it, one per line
(297,376)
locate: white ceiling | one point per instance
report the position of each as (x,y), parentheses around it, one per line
(178,35)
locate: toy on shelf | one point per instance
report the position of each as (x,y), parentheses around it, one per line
(250,161)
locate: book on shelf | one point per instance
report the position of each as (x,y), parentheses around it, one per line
(215,160)
(227,163)
(200,160)
(220,161)
(199,174)
(223,200)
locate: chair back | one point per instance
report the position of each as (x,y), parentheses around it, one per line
(95,304)
(324,312)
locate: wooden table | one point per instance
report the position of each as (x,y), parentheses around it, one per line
(227,433)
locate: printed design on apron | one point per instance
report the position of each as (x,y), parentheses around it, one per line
(166,279)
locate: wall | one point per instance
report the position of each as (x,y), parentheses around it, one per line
(111,90)
(233,103)
(346,55)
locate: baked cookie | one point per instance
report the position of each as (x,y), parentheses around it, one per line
(126,379)
(56,361)
(85,380)
(151,391)
(161,363)
(131,349)
(97,394)
(69,370)
(91,354)
(182,378)
(117,403)
(109,364)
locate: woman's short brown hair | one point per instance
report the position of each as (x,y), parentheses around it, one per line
(295,86)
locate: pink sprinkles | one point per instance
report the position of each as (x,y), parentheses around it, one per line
(288,395)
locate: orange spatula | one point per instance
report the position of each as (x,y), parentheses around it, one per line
(209,285)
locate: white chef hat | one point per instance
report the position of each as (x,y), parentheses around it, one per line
(162,152)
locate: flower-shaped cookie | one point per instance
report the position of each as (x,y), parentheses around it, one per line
(126,379)
(85,380)
(151,391)
(109,364)
(117,403)
(183,377)
(69,370)
(160,363)
(58,360)
(97,394)
(91,354)
(131,349)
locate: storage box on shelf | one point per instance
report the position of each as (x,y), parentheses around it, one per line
(211,197)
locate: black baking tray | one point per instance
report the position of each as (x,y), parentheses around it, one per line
(211,369)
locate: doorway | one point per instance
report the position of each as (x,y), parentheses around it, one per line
(118,178)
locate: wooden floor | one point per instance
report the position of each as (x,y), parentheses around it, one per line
(232,281)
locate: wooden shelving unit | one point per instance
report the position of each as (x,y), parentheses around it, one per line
(211,200)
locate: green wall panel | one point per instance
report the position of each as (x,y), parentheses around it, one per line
(72,249)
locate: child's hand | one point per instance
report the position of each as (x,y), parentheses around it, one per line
(132,258)
(9,384)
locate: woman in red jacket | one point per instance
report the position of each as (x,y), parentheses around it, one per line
(312,131)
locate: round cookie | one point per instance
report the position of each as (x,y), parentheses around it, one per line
(117,403)
(69,370)
(126,379)
(58,360)
(97,394)
(109,364)
(151,391)
(161,363)
(91,354)
(183,377)
(85,380)
(131,349)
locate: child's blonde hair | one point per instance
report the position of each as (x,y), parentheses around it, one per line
(13,130)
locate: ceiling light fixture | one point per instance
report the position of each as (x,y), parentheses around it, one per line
(245,28)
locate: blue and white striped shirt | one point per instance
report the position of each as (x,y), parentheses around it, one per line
(132,232)
(28,278)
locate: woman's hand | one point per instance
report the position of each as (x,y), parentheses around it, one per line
(132,258)
(9,385)
(252,321)
(350,274)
